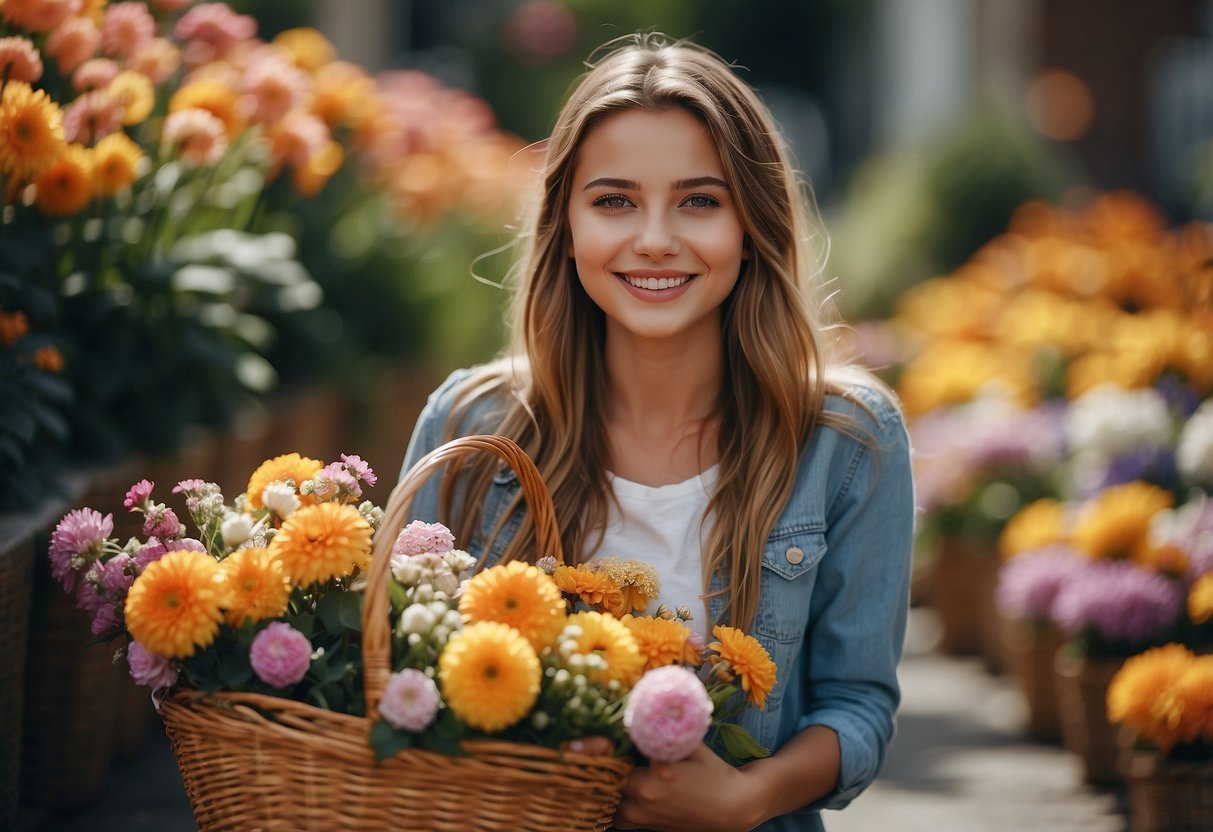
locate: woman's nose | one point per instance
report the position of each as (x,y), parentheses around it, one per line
(655,237)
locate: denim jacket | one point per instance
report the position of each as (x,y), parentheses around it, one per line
(835,582)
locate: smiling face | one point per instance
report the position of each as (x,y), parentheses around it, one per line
(653,228)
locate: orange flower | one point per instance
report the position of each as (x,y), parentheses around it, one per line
(13,327)
(217,98)
(257,586)
(489,675)
(594,587)
(31,130)
(343,94)
(174,607)
(19,60)
(1200,599)
(662,641)
(322,541)
(517,594)
(48,359)
(115,164)
(606,636)
(307,48)
(1035,525)
(66,187)
(637,580)
(134,91)
(745,657)
(1189,705)
(1116,523)
(290,468)
(37,15)
(1137,689)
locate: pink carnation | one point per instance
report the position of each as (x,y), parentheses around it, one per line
(161,521)
(149,669)
(139,494)
(280,655)
(668,713)
(410,700)
(79,536)
(418,538)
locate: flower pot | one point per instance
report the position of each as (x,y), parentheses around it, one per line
(16,571)
(1030,648)
(962,594)
(1168,795)
(1082,692)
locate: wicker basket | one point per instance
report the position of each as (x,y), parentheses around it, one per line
(1168,796)
(1030,647)
(962,594)
(16,587)
(256,762)
(1082,696)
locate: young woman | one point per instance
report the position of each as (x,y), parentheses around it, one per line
(670,378)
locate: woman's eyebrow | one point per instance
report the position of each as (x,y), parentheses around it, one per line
(632,185)
(699,182)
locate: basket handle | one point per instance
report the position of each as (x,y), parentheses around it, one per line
(376,629)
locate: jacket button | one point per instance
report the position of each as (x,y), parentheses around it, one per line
(794,555)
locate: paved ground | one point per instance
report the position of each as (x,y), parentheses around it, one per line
(959,764)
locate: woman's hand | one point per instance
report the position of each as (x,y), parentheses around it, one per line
(701,793)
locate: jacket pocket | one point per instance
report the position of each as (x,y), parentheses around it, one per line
(789,571)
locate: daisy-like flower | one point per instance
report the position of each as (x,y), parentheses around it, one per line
(158,59)
(175,606)
(663,641)
(517,594)
(73,43)
(38,15)
(1138,686)
(31,130)
(289,468)
(296,138)
(276,86)
(126,27)
(1200,599)
(322,541)
(198,136)
(1116,523)
(410,700)
(149,669)
(1038,524)
(19,60)
(212,29)
(637,580)
(280,498)
(94,74)
(77,541)
(217,98)
(1187,706)
(66,187)
(605,636)
(745,658)
(489,675)
(593,587)
(116,161)
(92,116)
(306,47)
(135,93)
(257,586)
(342,94)
(280,655)
(668,713)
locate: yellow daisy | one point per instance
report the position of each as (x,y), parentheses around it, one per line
(1200,599)
(291,468)
(66,187)
(115,164)
(517,594)
(1037,524)
(746,658)
(1116,523)
(31,131)
(637,580)
(607,636)
(175,606)
(489,675)
(134,91)
(257,586)
(322,541)
(594,587)
(306,47)
(663,641)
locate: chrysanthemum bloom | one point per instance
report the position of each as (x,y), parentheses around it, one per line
(92,116)
(38,15)
(1119,602)
(668,713)
(280,655)
(135,93)
(327,540)
(95,74)
(77,541)
(1200,599)
(158,59)
(162,522)
(418,538)
(1116,523)
(73,43)
(149,669)
(410,700)
(219,99)
(289,468)
(607,637)
(276,86)
(31,131)
(1138,686)
(517,594)
(307,48)
(489,675)
(593,587)
(212,29)
(175,606)
(126,27)
(197,135)
(1036,525)
(746,658)
(257,586)
(296,138)
(116,161)
(342,94)
(19,60)
(1187,705)
(1029,582)
(637,580)
(663,641)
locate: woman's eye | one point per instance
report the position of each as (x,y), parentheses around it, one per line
(613,201)
(701,201)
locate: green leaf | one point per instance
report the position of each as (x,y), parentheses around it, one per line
(234,671)
(396,594)
(739,745)
(341,612)
(387,741)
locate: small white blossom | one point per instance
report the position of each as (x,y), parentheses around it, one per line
(1110,421)
(417,618)
(236,529)
(458,560)
(406,570)
(1194,454)
(280,498)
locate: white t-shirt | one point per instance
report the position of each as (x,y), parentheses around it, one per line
(661,525)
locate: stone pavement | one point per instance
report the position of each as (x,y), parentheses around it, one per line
(959,764)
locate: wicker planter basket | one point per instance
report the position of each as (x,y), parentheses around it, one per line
(1082,695)
(1030,648)
(255,762)
(16,587)
(962,594)
(1168,796)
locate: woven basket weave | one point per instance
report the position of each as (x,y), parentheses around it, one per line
(256,762)
(1168,796)
(1082,697)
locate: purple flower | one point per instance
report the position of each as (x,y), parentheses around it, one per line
(149,669)
(162,522)
(668,713)
(139,494)
(410,700)
(77,541)
(105,621)
(1029,582)
(191,488)
(184,544)
(547,563)
(419,538)
(280,655)
(334,479)
(1118,602)
(359,468)
(1155,465)
(148,553)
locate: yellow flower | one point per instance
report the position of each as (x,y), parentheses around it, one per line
(134,91)
(746,658)
(1037,524)
(517,594)
(1137,689)
(609,638)
(1187,706)
(322,541)
(1200,599)
(307,48)
(1116,523)
(257,586)
(174,607)
(638,581)
(66,187)
(343,95)
(489,675)
(662,641)
(217,98)
(115,164)
(31,131)
(594,587)
(291,468)
(1166,558)
(955,371)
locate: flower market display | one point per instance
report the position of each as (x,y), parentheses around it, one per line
(261,600)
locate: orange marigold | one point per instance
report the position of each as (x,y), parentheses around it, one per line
(115,163)
(134,91)
(175,606)
(31,131)
(291,468)
(257,586)
(663,641)
(217,98)
(1187,705)
(66,187)
(1136,691)
(322,541)
(1116,523)
(517,594)
(1200,599)
(746,658)
(594,587)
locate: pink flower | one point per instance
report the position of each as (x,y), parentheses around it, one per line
(73,43)
(418,538)
(190,487)
(198,134)
(359,468)
(94,74)
(276,86)
(149,553)
(105,621)
(158,59)
(161,521)
(280,655)
(139,493)
(19,60)
(77,541)
(126,28)
(149,669)
(90,118)
(334,479)
(410,700)
(39,15)
(212,29)
(668,713)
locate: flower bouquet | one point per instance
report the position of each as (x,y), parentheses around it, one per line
(317,659)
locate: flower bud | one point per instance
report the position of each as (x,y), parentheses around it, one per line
(417,618)
(280,498)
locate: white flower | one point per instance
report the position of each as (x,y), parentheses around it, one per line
(406,570)
(458,560)
(1194,454)
(417,618)
(280,498)
(235,529)
(1109,421)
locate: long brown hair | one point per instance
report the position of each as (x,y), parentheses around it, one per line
(552,377)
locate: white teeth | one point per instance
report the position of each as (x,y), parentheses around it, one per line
(656,283)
